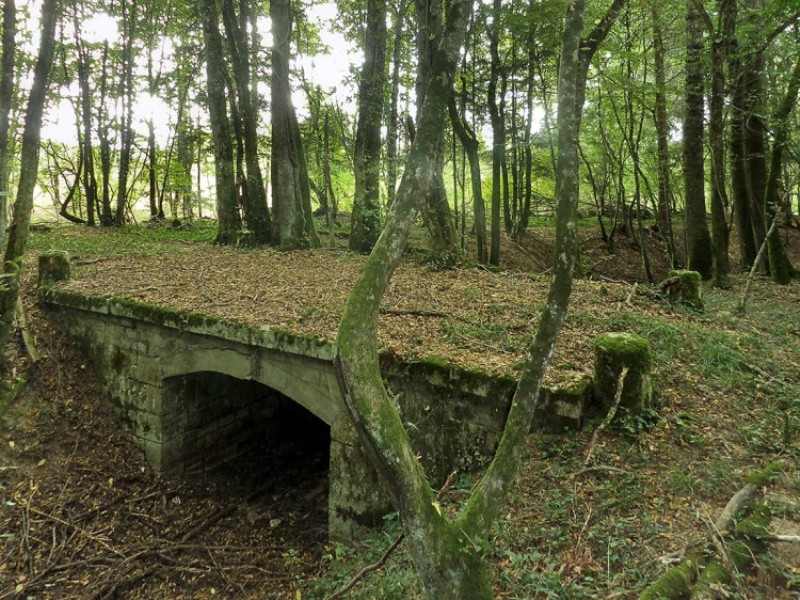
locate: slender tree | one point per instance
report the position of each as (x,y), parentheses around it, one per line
(29,165)
(664,202)
(7,64)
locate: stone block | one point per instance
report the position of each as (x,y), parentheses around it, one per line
(613,352)
(563,406)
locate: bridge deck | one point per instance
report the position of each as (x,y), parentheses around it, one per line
(470,318)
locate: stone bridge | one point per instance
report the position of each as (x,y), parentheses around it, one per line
(196,390)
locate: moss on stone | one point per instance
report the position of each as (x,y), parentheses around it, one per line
(675,583)
(563,406)
(765,475)
(53,267)
(613,351)
(688,288)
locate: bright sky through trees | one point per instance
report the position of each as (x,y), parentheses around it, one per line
(330,69)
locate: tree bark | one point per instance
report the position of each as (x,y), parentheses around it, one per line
(469,142)
(720,41)
(698,239)
(229,221)
(366,218)
(393,119)
(664,204)
(257,217)
(498,135)
(126,126)
(7,64)
(288,164)
(436,210)
(780,267)
(29,165)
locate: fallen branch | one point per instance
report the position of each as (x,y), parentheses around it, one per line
(740,308)
(679,581)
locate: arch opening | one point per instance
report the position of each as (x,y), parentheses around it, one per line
(246,436)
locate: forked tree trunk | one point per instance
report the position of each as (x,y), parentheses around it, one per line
(448,553)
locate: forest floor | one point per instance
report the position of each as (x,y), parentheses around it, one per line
(81,515)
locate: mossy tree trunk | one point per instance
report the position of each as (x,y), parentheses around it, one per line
(448,554)
(366,220)
(435,209)
(29,161)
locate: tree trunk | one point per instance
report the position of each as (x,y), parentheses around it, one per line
(448,553)
(754,148)
(366,218)
(229,221)
(288,172)
(126,126)
(697,236)
(664,207)
(780,267)
(257,217)
(498,135)
(29,165)
(436,211)
(106,216)
(393,119)
(470,143)
(6,97)
(716,133)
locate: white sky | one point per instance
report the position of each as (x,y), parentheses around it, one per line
(328,70)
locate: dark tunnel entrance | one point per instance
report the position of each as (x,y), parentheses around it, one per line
(247,443)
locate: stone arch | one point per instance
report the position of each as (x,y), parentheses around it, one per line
(211,418)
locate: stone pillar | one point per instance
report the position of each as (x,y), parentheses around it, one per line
(612,352)
(53,267)
(685,287)
(357,499)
